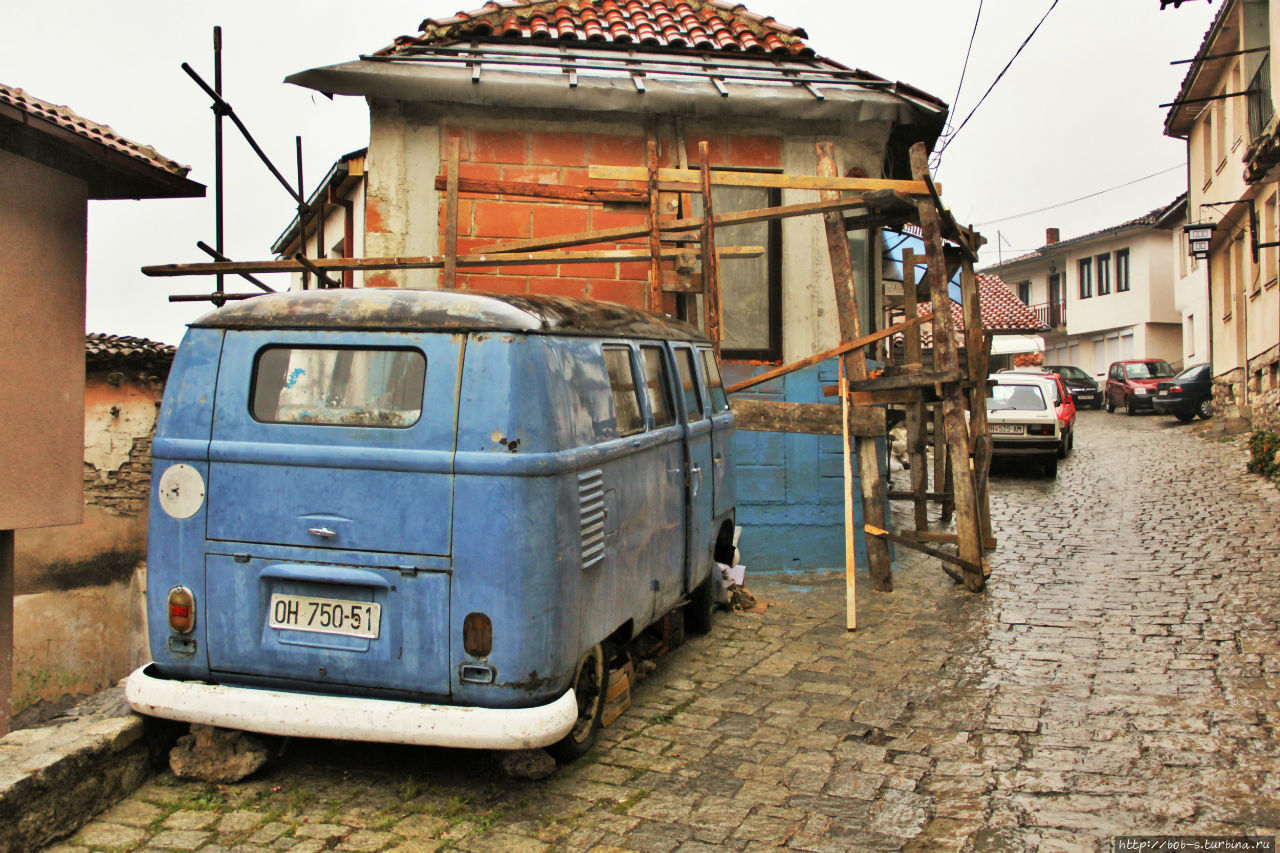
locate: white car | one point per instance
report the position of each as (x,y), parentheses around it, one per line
(1022,420)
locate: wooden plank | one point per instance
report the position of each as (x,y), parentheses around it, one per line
(915,410)
(953,405)
(435,261)
(969,566)
(670,228)
(653,299)
(940,478)
(909,495)
(6,627)
(923,379)
(553,192)
(449,279)
(811,418)
(869,477)
(824,355)
(710,260)
(763,179)
(850,551)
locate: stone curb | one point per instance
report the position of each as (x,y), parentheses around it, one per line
(55,778)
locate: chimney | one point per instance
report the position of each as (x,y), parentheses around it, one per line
(1051,236)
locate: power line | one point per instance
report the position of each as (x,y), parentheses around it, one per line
(1007,66)
(937,155)
(1084,197)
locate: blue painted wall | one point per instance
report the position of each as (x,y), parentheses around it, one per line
(790,486)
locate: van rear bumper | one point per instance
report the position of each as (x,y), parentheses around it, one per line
(278,712)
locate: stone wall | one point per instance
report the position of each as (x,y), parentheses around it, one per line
(1264,390)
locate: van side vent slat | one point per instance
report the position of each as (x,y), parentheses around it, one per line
(591,516)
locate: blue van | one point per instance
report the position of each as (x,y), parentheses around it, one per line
(427,517)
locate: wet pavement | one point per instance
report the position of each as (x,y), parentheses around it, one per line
(1118,677)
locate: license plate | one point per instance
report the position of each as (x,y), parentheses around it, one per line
(1007,429)
(1164,393)
(325,615)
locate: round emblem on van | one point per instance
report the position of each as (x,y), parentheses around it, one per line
(181,491)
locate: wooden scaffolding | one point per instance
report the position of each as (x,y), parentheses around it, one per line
(684,258)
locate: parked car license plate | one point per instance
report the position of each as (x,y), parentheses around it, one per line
(1006,429)
(1164,393)
(325,615)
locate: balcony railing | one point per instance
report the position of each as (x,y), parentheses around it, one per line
(1052,314)
(1259,98)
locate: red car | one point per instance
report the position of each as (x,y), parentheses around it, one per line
(1132,383)
(1063,405)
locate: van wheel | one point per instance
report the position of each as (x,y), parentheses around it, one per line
(589,686)
(702,603)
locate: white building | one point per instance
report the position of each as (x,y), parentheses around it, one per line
(1117,293)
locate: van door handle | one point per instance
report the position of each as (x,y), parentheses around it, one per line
(697,469)
(323,532)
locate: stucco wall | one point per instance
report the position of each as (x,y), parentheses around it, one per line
(42,262)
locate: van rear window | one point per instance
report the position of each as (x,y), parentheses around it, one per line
(338,387)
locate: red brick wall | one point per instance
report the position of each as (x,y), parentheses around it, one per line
(562,158)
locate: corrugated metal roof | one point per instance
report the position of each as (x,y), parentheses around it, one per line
(68,119)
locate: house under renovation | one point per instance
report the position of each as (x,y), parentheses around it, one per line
(543,114)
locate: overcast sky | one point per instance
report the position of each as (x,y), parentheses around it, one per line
(1076,114)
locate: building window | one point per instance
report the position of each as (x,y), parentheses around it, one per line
(1189,336)
(751,289)
(1122,270)
(1086,278)
(1104,274)
(1206,147)
(1024,291)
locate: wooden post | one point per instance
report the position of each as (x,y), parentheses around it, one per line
(984,490)
(449,279)
(710,260)
(873,490)
(654,300)
(915,411)
(945,358)
(941,478)
(850,553)
(6,630)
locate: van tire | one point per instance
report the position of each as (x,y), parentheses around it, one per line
(702,603)
(591,684)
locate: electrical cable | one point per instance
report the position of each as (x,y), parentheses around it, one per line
(968,51)
(1007,66)
(1084,197)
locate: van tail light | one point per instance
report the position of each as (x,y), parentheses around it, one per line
(182,610)
(1039,429)
(477,635)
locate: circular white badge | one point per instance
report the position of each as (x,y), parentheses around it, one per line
(181,491)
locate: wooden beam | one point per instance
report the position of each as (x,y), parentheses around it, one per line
(436,261)
(899,396)
(953,405)
(923,379)
(826,354)
(819,182)
(811,418)
(449,279)
(6,628)
(915,410)
(969,566)
(855,365)
(654,297)
(908,495)
(850,550)
(710,260)
(553,192)
(672,227)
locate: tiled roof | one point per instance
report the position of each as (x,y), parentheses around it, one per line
(1003,313)
(1157,218)
(122,349)
(701,25)
(65,118)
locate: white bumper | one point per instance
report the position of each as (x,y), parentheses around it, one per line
(278,712)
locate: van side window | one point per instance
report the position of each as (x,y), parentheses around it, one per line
(657,387)
(719,402)
(622,381)
(689,384)
(338,387)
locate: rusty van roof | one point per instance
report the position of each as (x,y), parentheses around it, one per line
(369,309)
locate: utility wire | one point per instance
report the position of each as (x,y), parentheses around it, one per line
(1007,66)
(960,85)
(1083,197)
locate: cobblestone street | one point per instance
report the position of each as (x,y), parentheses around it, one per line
(1118,677)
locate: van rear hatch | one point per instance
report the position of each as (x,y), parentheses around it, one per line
(330,501)
(335,440)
